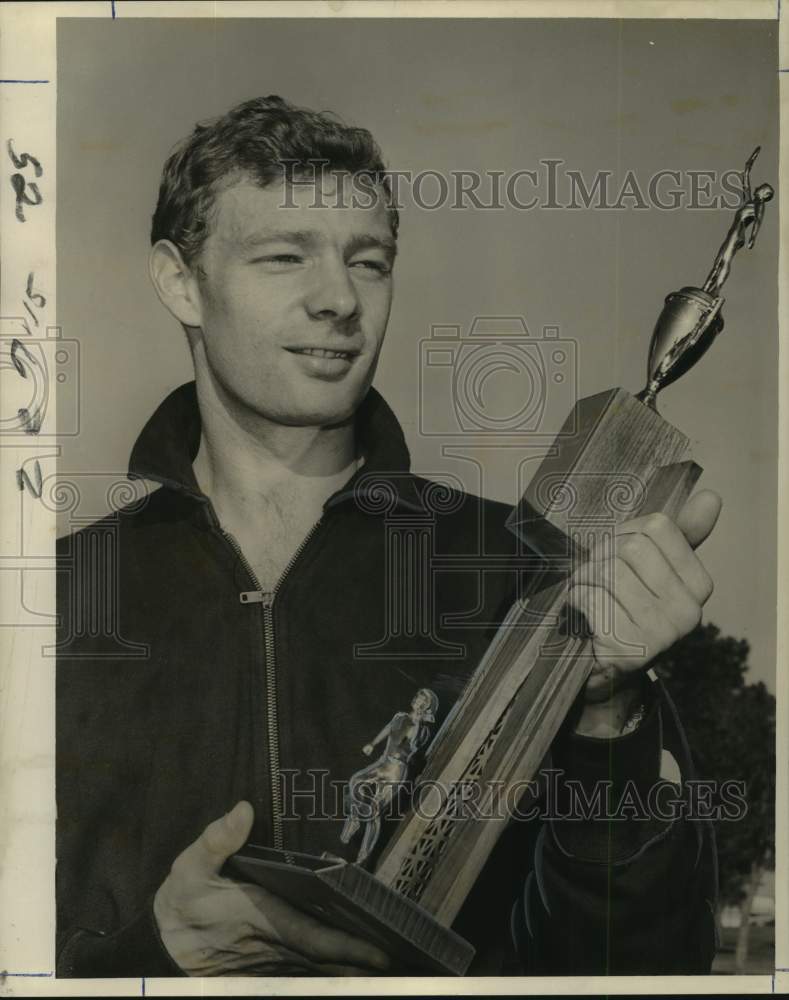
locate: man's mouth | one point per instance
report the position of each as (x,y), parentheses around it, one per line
(322,352)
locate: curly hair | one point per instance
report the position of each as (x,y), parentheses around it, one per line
(267,139)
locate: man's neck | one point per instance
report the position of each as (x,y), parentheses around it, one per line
(246,463)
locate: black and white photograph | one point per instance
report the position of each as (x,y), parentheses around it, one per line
(390,460)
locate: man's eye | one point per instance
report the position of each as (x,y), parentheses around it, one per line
(279,258)
(376,266)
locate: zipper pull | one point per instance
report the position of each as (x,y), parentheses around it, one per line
(256,597)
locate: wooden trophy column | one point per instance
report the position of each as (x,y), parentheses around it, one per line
(616,458)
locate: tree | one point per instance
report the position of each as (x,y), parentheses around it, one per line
(747,845)
(731,729)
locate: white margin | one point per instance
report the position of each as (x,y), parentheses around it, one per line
(27,112)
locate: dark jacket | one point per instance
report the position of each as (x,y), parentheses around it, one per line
(176,694)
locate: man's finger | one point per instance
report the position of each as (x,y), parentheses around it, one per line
(674,544)
(680,601)
(599,587)
(332,945)
(326,944)
(218,841)
(309,936)
(626,624)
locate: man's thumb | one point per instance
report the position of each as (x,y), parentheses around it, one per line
(221,838)
(697,518)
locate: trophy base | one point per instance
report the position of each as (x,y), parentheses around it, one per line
(346,896)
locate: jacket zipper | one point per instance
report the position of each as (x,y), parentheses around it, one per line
(266,599)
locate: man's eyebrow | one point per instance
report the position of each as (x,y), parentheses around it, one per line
(310,237)
(367,241)
(304,237)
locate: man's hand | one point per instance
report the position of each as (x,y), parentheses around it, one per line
(213,926)
(638,601)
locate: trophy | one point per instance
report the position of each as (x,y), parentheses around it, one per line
(615,458)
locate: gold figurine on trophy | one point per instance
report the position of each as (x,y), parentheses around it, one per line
(691,318)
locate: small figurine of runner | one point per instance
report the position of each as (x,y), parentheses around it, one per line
(373,788)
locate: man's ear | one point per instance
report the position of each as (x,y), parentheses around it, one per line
(175,283)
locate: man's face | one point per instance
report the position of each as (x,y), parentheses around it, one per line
(295,298)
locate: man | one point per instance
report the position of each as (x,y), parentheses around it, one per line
(259,567)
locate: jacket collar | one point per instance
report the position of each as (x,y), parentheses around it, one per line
(169,442)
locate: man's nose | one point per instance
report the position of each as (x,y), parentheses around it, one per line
(333,294)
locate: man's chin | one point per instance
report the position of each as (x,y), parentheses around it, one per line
(316,410)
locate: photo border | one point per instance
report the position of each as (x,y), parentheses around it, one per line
(28,96)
